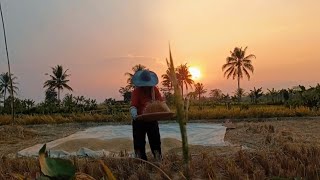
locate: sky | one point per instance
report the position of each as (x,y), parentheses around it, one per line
(99,41)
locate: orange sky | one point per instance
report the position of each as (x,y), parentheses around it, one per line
(101,40)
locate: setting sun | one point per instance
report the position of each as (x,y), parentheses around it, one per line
(195,72)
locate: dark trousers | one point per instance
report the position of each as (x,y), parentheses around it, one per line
(140,129)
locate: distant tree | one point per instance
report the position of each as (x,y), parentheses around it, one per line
(29,103)
(255,94)
(68,102)
(135,68)
(184,77)
(239,94)
(199,89)
(166,82)
(5,85)
(126,93)
(216,94)
(109,101)
(192,95)
(51,96)
(58,80)
(285,94)
(273,94)
(238,64)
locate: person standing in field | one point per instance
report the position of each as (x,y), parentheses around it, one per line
(145,91)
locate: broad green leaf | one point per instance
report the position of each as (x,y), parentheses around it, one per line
(55,167)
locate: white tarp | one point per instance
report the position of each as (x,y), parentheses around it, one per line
(207,134)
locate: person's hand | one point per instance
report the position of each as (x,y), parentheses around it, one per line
(133,112)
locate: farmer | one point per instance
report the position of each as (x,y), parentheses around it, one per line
(145,91)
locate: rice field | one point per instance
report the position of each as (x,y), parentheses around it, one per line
(210,113)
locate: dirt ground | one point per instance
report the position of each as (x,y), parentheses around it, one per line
(246,135)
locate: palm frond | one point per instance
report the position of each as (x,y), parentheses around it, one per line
(248,66)
(231,73)
(246,72)
(250,56)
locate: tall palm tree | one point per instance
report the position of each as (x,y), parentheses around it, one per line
(58,80)
(238,64)
(5,85)
(184,77)
(135,68)
(199,89)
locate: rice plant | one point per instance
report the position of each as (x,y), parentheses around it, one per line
(181,113)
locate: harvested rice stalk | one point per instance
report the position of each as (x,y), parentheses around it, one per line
(156,106)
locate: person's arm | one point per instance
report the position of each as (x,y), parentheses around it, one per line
(134,104)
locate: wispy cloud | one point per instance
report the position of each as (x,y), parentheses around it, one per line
(133,57)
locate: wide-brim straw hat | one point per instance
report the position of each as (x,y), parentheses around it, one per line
(144,78)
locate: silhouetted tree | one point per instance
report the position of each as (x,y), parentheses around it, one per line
(199,89)
(184,77)
(126,93)
(255,94)
(238,64)
(58,80)
(216,94)
(5,85)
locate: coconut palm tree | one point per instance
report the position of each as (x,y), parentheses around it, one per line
(58,80)
(199,89)
(5,85)
(166,82)
(238,64)
(184,77)
(135,68)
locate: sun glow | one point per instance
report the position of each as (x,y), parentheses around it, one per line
(195,73)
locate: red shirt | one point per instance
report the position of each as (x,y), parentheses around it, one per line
(140,96)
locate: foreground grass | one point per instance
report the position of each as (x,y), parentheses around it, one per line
(276,150)
(287,161)
(195,113)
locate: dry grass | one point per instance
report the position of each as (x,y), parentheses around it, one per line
(287,161)
(207,113)
(286,149)
(220,112)
(58,119)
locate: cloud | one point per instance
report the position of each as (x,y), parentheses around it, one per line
(132,57)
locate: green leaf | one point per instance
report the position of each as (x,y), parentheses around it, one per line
(55,167)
